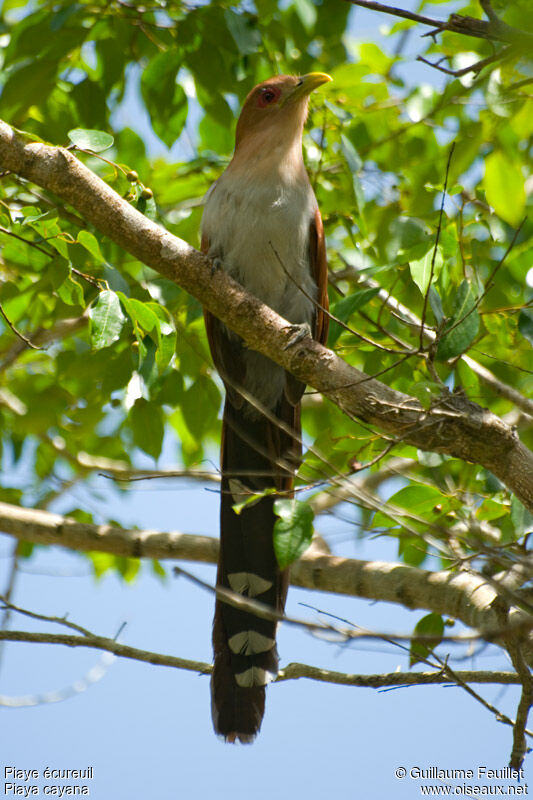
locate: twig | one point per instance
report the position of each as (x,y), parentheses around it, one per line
(44,336)
(435,248)
(13,574)
(476,67)
(453,675)
(489,11)
(57,620)
(520,84)
(526,699)
(397,12)
(29,242)
(20,335)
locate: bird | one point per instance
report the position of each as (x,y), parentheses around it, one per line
(261,224)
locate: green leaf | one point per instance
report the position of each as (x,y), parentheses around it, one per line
(147,425)
(307,12)
(107,320)
(505,187)
(171,390)
(127,567)
(71,292)
(344,309)
(430,625)
(354,165)
(420,499)
(521,518)
(350,154)
(436,304)
(90,242)
(158,570)
(421,102)
(90,101)
(58,271)
(200,405)
(463,326)
(421,269)
(245,32)
(293,530)
(102,562)
(87,139)
(27,83)
(403,235)
(425,392)
(165,100)
(147,365)
(141,314)
(167,335)
(142,317)
(525,324)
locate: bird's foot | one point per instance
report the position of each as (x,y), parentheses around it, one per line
(297,334)
(216,264)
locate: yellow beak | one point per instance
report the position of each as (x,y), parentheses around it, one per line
(308,83)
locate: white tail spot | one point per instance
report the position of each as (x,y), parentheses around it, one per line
(248,583)
(254,676)
(249,643)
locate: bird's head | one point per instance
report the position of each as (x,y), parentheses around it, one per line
(277,108)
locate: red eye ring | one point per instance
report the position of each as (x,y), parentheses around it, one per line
(268,95)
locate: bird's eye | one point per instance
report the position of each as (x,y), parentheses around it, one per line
(267,96)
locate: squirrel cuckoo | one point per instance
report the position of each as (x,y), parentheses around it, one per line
(261,223)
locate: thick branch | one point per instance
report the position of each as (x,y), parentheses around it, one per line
(455,427)
(460,595)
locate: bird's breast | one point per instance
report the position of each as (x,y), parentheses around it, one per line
(260,232)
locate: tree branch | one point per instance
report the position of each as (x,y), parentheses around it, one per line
(475,67)
(493,30)
(103,643)
(455,427)
(296,670)
(290,672)
(462,595)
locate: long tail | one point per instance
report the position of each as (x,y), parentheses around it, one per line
(245,655)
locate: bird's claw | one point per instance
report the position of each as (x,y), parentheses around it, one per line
(297,334)
(216,264)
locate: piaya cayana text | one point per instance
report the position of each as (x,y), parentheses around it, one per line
(261,224)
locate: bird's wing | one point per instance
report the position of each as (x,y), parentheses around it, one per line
(225,350)
(319,270)
(318,265)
